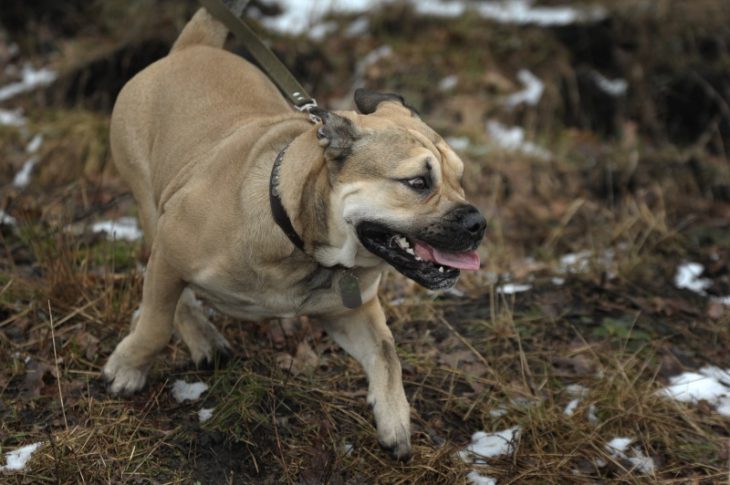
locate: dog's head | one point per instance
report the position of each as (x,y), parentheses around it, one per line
(398,185)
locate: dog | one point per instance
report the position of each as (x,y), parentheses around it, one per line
(248,206)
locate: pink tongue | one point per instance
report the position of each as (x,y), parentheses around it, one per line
(465,260)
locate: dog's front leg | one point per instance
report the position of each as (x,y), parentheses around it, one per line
(364,335)
(126,369)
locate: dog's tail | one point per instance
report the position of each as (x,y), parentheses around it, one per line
(203,29)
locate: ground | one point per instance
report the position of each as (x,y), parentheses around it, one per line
(594,209)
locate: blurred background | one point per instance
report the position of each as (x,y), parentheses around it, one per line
(596,138)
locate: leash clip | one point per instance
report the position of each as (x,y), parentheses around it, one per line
(307,108)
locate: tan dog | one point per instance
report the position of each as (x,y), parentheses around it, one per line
(196,135)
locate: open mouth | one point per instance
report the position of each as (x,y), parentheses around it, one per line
(427,265)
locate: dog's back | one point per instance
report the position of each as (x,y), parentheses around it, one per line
(181,107)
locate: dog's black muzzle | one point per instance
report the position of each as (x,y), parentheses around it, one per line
(461,229)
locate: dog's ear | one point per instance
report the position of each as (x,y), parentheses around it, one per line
(367,101)
(337,134)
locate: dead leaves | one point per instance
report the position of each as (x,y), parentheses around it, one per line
(304,360)
(575,365)
(36,383)
(466,362)
(87,342)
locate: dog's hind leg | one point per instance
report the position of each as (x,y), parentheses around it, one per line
(364,335)
(126,369)
(206,344)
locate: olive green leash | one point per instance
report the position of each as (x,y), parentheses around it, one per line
(267,60)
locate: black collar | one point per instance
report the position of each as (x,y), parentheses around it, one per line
(277,208)
(349,287)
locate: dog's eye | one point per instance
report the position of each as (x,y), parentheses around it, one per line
(418,183)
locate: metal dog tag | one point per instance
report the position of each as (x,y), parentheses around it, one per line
(350,290)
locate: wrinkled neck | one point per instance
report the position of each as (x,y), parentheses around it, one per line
(304,189)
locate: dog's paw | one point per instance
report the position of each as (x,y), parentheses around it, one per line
(397,443)
(122,378)
(216,359)
(210,349)
(394,427)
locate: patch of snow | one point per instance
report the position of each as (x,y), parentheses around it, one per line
(612,87)
(439,9)
(688,277)
(22,178)
(575,262)
(448,83)
(320,31)
(723,407)
(183,391)
(16,460)
(7,219)
(642,463)
(512,288)
(31,78)
(348,448)
(498,413)
(476,478)
(34,144)
(576,390)
(358,27)
(458,143)
(571,407)
(717,373)
(522,12)
(205,413)
(592,418)
(490,445)
(618,445)
(371,58)
(298,16)
(12,117)
(722,300)
(579,392)
(710,384)
(125,228)
(557,281)
(530,95)
(513,139)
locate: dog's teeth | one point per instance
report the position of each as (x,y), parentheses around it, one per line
(402,242)
(411,251)
(441,269)
(418,258)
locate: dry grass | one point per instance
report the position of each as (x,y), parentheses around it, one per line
(638,204)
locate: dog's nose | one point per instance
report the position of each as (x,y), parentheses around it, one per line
(473,221)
